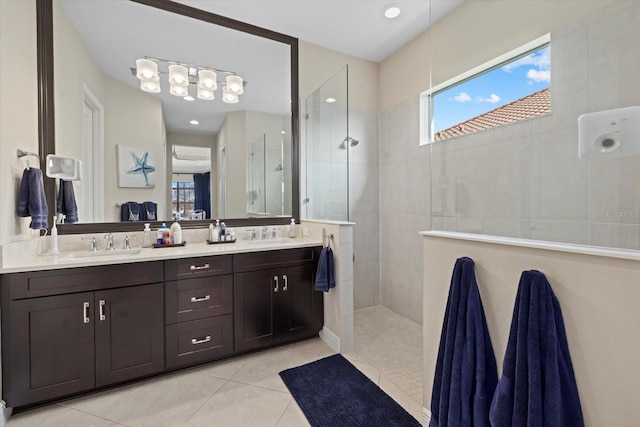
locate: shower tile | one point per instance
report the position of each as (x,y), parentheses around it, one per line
(394,283)
(394,186)
(395,237)
(560,190)
(419,186)
(446,223)
(366,284)
(443,178)
(366,244)
(364,189)
(416,286)
(614,189)
(625,236)
(561,231)
(344,264)
(363,126)
(473,180)
(518,228)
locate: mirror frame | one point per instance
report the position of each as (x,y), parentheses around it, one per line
(46,110)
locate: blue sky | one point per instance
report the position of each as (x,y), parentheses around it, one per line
(491,90)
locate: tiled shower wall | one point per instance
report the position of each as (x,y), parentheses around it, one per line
(525,179)
(520,180)
(404,208)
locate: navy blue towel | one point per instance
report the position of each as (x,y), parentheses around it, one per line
(66,202)
(130,211)
(466,372)
(31,199)
(325,276)
(537,387)
(150,211)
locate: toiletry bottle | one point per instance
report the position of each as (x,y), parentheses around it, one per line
(146,236)
(166,236)
(54,237)
(216,231)
(292,228)
(223,230)
(211,233)
(176,233)
(160,238)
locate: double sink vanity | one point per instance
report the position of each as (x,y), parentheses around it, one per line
(80,321)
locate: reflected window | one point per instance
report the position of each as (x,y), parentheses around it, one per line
(515,86)
(183,198)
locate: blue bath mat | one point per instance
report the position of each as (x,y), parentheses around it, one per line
(333,393)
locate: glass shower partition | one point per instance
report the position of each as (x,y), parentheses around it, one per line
(327,150)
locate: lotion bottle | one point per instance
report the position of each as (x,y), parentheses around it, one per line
(54,237)
(292,228)
(146,237)
(176,233)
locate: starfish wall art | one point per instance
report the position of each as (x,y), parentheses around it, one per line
(135,168)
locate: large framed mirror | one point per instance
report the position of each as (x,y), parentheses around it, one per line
(93,108)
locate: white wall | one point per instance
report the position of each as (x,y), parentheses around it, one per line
(18,108)
(600,302)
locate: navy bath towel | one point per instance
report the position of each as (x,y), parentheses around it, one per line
(31,199)
(130,211)
(537,387)
(325,276)
(150,211)
(66,202)
(466,373)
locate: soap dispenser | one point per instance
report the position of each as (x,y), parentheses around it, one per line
(146,237)
(176,233)
(54,237)
(292,228)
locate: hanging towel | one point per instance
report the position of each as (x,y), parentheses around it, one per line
(31,199)
(130,211)
(325,277)
(66,202)
(150,211)
(466,373)
(537,387)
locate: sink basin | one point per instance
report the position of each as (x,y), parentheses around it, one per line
(265,241)
(99,254)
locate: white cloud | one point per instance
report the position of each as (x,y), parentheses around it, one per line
(541,60)
(539,75)
(492,99)
(462,97)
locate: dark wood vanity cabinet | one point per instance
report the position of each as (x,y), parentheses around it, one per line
(74,330)
(274,298)
(57,345)
(198,310)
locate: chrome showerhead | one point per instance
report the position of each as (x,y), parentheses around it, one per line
(351,141)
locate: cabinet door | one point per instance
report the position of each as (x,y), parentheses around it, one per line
(129,333)
(295,311)
(51,352)
(254,294)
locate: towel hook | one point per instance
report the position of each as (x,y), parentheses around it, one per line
(326,238)
(22,153)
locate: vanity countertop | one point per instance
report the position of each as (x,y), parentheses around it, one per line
(18,258)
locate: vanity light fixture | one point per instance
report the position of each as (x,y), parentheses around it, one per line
(391,11)
(181,75)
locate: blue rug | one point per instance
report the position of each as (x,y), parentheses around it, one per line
(333,393)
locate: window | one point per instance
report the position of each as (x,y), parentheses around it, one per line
(513,87)
(182,197)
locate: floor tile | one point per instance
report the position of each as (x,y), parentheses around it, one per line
(293,417)
(166,401)
(241,405)
(57,416)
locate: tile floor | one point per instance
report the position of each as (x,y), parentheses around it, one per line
(247,391)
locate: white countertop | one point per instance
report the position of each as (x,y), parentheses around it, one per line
(21,256)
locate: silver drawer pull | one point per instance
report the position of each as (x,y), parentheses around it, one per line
(102,316)
(286,282)
(195,341)
(204,298)
(275,278)
(85,312)
(199,267)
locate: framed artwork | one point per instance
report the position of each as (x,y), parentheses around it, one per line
(135,167)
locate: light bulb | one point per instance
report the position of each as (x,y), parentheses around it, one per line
(152,87)
(228,97)
(205,94)
(147,70)
(178,75)
(207,79)
(234,85)
(178,90)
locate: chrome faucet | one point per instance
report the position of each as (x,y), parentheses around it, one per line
(109,238)
(264,233)
(125,243)
(93,245)
(253,234)
(274,234)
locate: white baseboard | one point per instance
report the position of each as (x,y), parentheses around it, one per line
(426,416)
(6,413)
(330,338)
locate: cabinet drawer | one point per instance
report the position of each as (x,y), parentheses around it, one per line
(71,280)
(192,299)
(197,267)
(274,259)
(199,341)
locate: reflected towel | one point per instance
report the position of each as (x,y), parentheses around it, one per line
(466,373)
(66,202)
(130,211)
(150,211)
(325,275)
(31,199)
(537,387)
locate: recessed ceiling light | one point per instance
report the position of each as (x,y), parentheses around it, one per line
(330,100)
(194,122)
(189,98)
(391,11)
